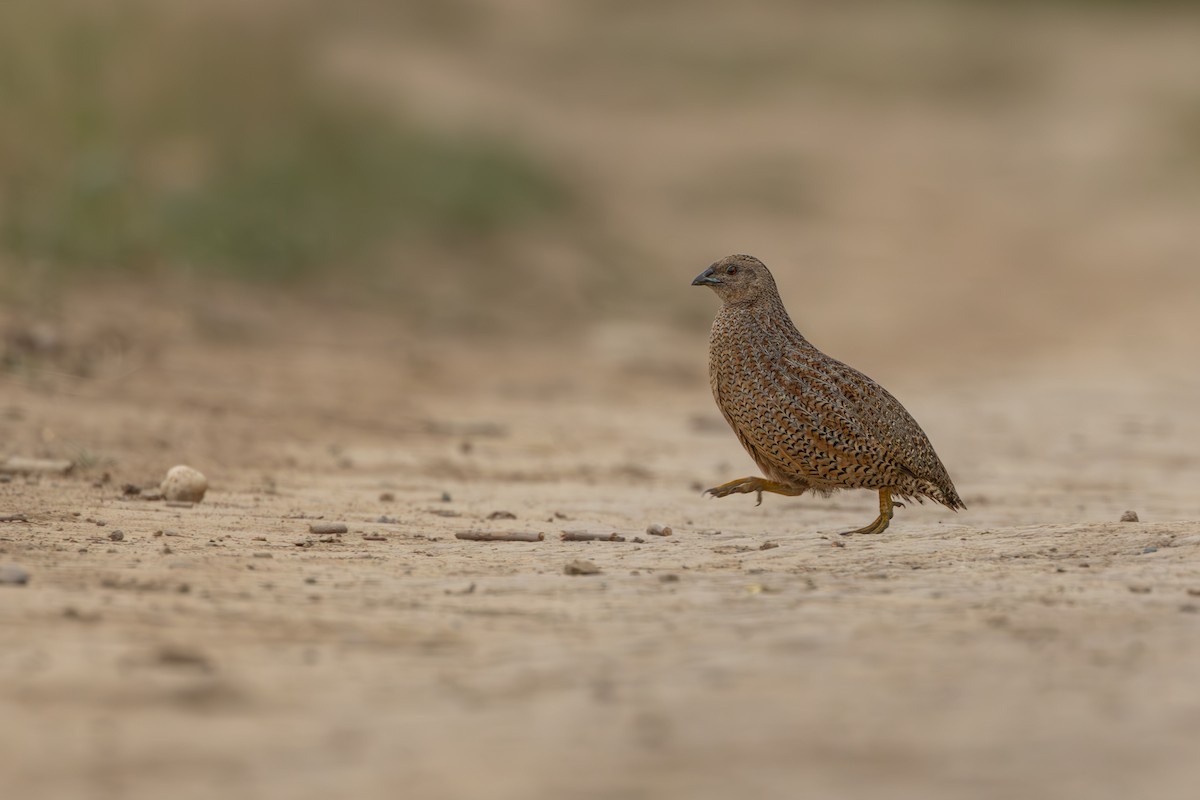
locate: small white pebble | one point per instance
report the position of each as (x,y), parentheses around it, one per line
(184,485)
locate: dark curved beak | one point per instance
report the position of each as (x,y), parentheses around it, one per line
(707,278)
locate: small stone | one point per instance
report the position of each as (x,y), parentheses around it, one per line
(387,497)
(445,497)
(12,575)
(384,519)
(768,546)
(174,656)
(502,515)
(70,612)
(581,568)
(668,577)
(184,485)
(117,536)
(1140,589)
(1129,516)
(659,530)
(261,554)
(327,528)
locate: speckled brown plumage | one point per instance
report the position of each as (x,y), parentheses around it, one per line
(810,422)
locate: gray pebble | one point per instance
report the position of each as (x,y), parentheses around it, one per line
(12,575)
(117,536)
(1129,516)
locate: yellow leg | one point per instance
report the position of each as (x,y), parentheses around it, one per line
(886,512)
(757,485)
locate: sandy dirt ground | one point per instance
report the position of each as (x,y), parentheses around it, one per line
(1032,646)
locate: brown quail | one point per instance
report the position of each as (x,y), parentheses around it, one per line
(811,423)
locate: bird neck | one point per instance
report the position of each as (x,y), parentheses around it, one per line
(766,314)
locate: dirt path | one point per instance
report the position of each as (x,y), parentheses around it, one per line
(1033,646)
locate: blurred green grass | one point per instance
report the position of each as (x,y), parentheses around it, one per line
(145,139)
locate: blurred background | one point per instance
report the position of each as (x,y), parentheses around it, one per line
(950,182)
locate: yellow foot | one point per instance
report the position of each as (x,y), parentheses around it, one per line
(878,526)
(756,485)
(886,512)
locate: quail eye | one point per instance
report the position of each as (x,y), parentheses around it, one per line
(731,270)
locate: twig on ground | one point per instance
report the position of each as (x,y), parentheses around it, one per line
(500,536)
(588,536)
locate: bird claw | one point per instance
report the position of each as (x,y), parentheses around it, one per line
(740,486)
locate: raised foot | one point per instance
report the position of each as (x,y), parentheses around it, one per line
(755,485)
